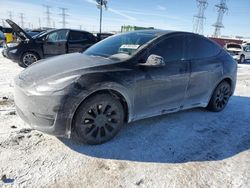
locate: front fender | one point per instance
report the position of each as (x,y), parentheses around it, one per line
(79,94)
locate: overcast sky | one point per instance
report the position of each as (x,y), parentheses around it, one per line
(163,14)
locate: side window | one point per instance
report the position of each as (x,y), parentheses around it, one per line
(77,36)
(171,49)
(57,36)
(92,37)
(199,47)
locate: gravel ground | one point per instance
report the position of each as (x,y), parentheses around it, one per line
(193,148)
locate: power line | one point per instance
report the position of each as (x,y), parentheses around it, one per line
(64,15)
(200,17)
(48,13)
(221,9)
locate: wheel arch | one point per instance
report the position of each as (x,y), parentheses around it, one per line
(118,94)
(226,79)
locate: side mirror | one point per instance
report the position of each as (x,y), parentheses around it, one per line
(154,61)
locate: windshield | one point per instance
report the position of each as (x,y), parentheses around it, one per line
(234,46)
(41,34)
(120,46)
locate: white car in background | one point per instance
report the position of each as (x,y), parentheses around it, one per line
(246,43)
(245,54)
(235,50)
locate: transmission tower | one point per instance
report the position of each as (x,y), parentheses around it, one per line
(10,15)
(3,22)
(221,9)
(199,18)
(39,22)
(48,13)
(64,15)
(21,20)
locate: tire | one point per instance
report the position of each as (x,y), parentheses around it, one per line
(98,119)
(28,58)
(220,97)
(242,59)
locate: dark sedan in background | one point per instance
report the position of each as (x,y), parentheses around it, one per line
(28,50)
(124,78)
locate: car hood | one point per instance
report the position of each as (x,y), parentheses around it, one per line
(18,30)
(60,66)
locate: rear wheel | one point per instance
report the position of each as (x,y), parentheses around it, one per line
(220,97)
(242,59)
(28,58)
(99,119)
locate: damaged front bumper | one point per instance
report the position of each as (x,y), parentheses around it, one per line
(42,112)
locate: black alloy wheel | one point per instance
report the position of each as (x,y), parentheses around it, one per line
(220,97)
(99,119)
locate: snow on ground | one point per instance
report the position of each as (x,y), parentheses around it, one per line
(193,148)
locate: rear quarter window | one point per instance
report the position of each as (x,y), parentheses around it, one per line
(78,36)
(200,47)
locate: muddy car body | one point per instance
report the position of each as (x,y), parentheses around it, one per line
(124,78)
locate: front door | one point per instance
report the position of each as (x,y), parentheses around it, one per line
(55,43)
(163,89)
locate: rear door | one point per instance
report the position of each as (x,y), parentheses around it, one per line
(206,69)
(55,43)
(79,41)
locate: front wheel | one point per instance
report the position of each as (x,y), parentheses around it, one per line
(99,119)
(28,58)
(220,97)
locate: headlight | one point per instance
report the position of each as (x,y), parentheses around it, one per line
(56,85)
(10,45)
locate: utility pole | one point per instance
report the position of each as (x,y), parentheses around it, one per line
(100,4)
(10,15)
(21,19)
(63,14)
(221,9)
(48,13)
(200,17)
